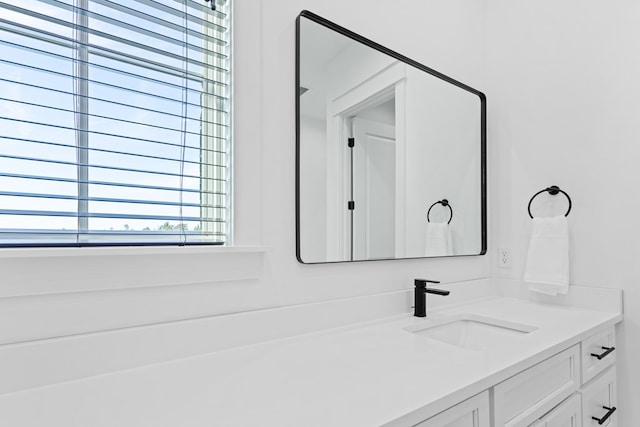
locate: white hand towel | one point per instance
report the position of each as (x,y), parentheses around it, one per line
(547,269)
(438,239)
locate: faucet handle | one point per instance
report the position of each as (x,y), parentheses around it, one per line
(423,282)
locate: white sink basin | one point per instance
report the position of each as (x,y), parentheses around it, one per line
(470,331)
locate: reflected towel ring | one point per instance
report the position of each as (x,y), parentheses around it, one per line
(553,190)
(443,202)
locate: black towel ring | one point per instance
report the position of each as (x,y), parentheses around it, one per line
(553,190)
(443,202)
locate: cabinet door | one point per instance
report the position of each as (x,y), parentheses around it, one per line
(473,412)
(599,400)
(567,414)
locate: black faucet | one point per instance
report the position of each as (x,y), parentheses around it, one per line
(420,293)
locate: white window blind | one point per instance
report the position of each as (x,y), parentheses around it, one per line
(114,122)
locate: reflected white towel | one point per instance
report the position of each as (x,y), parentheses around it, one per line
(547,269)
(438,239)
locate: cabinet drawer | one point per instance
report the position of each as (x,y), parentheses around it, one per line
(598,353)
(473,412)
(599,399)
(567,414)
(527,396)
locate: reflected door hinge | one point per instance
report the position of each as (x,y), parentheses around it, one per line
(351,205)
(351,142)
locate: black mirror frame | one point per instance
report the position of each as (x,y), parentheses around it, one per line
(483,129)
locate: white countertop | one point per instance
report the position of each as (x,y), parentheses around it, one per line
(364,375)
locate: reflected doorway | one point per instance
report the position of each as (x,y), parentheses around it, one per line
(373,181)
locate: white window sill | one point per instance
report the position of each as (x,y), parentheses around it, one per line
(125,250)
(36,271)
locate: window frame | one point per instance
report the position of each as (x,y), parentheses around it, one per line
(82,166)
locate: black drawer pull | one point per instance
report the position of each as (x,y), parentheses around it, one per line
(606,416)
(605,354)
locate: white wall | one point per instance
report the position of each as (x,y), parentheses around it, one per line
(564,109)
(44,295)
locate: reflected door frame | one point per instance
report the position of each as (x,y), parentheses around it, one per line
(384,85)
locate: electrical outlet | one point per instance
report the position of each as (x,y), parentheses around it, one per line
(504,258)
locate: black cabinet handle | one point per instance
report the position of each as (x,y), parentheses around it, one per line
(605,354)
(606,416)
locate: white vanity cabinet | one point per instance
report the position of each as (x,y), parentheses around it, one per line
(594,401)
(473,412)
(574,388)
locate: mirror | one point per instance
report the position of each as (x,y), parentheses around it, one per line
(390,154)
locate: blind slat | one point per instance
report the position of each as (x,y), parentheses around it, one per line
(112,184)
(124,153)
(107,199)
(153,141)
(69,214)
(80,243)
(157,233)
(112,168)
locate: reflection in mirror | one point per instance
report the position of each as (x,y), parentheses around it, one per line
(380,140)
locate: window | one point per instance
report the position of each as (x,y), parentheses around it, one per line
(114,122)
